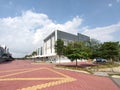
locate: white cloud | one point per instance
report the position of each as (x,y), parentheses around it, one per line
(103,33)
(24,33)
(69,26)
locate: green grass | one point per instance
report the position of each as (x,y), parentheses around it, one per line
(74,68)
(107,65)
(90,69)
(114,74)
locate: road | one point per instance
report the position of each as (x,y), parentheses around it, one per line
(26,75)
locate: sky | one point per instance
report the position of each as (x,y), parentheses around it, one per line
(25,23)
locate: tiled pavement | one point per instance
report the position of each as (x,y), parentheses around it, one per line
(22,75)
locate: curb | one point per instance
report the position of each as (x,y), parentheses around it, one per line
(73,70)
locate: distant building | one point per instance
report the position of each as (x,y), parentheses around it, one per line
(4,54)
(48,50)
(39,51)
(3,49)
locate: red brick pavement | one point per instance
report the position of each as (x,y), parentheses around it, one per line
(26,76)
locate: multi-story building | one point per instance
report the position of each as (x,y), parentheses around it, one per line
(48,50)
(49,41)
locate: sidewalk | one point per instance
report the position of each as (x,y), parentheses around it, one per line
(116,80)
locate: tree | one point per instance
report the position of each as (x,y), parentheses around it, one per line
(34,53)
(73,57)
(110,50)
(95,48)
(76,50)
(59,47)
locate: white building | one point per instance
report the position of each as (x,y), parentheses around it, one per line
(48,50)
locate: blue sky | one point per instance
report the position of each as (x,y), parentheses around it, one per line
(95,12)
(98,19)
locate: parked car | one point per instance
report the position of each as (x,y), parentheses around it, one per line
(99,60)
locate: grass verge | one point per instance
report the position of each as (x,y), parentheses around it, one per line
(90,69)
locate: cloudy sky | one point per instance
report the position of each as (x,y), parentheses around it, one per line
(25,23)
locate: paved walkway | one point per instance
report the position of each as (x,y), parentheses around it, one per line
(116,79)
(24,75)
(101,73)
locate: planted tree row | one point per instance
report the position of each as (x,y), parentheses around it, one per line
(95,49)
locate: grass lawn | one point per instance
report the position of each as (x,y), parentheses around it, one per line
(89,68)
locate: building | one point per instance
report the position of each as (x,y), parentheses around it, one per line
(49,41)
(48,50)
(3,49)
(4,54)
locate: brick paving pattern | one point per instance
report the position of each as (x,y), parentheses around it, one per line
(24,75)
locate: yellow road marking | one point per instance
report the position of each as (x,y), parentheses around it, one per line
(58,73)
(19,73)
(59,81)
(23,79)
(16,70)
(49,84)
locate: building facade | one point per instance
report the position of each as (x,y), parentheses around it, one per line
(49,42)
(47,51)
